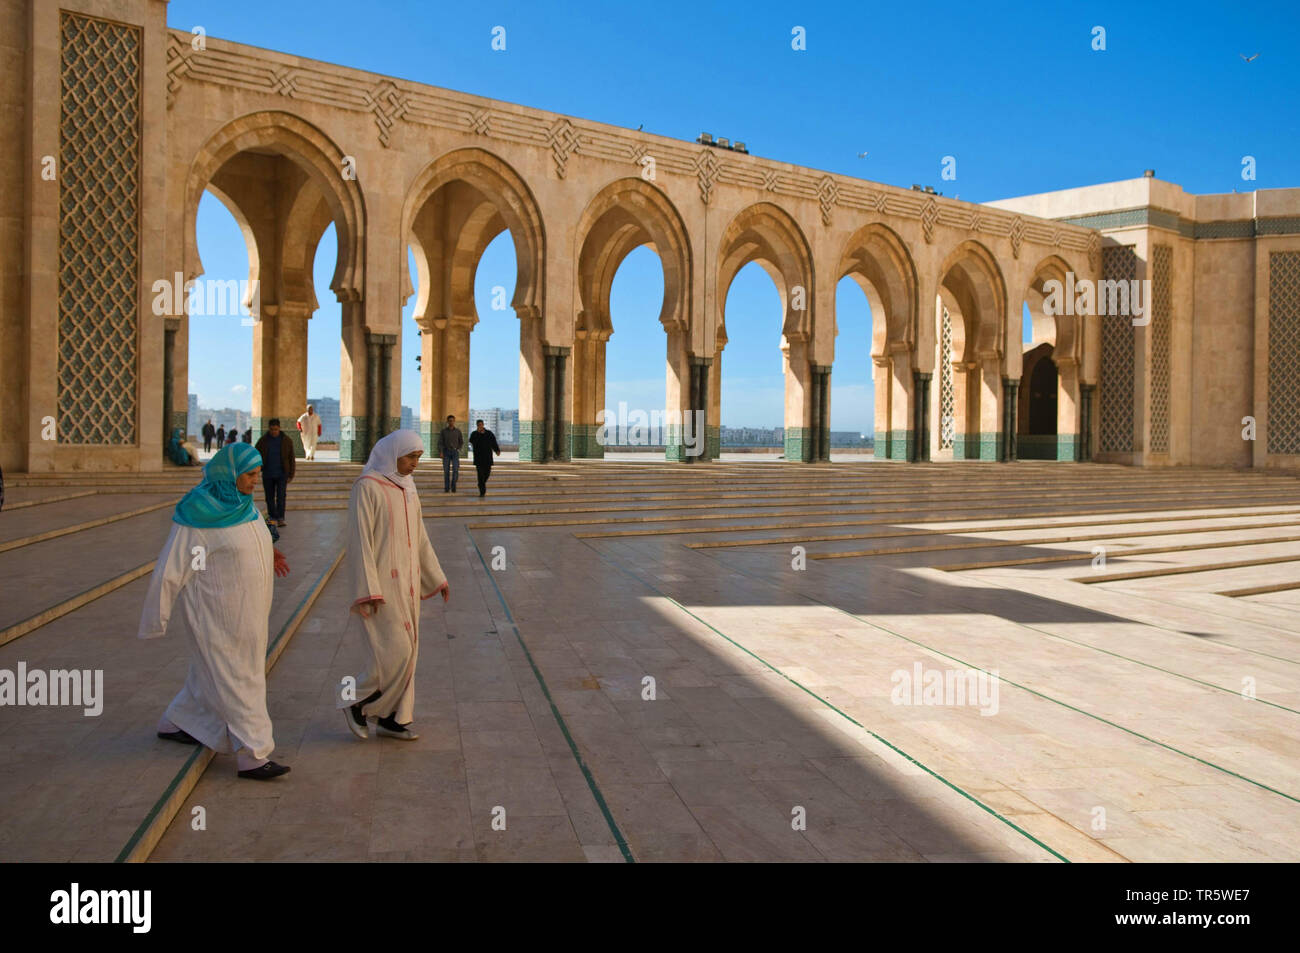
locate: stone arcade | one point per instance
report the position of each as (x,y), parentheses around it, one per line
(137,121)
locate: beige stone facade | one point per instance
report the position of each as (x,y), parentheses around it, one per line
(140,120)
(1212,380)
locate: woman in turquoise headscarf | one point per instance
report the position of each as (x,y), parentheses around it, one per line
(181,454)
(217,567)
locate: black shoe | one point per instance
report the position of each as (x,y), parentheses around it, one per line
(389,728)
(184,737)
(266,772)
(357,722)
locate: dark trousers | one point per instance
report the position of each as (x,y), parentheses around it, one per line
(484,471)
(207,443)
(275,487)
(450,469)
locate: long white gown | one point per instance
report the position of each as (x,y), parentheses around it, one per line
(309,424)
(389,556)
(224,607)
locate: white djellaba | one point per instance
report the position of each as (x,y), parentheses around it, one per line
(217,569)
(391,568)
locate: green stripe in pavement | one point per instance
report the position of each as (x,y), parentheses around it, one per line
(845,715)
(564,728)
(1104,721)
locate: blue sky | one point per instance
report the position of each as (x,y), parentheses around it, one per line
(1016,94)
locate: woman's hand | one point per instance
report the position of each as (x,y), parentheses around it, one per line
(445,590)
(281,564)
(368,608)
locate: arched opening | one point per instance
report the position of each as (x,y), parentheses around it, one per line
(853,423)
(635,393)
(279,178)
(967,391)
(752,404)
(471,224)
(877,262)
(1052,336)
(766,235)
(1036,438)
(219,333)
(630,233)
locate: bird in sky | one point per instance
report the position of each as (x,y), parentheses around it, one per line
(862,155)
(1248,58)
(638,128)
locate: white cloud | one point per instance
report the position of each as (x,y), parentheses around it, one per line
(238,389)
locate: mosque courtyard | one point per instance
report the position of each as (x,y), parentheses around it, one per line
(738,661)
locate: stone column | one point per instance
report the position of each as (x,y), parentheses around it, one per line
(798,380)
(902,437)
(588,393)
(882,381)
(555,446)
(532,387)
(921,398)
(965,434)
(713,416)
(354,437)
(1010,407)
(989,381)
(1068,434)
(170,327)
(1087,393)
(680,373)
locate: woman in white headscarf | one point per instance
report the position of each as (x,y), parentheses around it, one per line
(392,567)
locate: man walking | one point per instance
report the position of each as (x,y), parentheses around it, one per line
(450,441)
(277,469)
(209,432)
(310,425)
(483,443)
(221,436)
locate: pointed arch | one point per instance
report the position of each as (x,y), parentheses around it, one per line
(485,195)
(311,151)
(624,215)
(769,235)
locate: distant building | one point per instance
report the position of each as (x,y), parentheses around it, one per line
(503,423)
(752,436)
(327,408)
(508,421)
(851,438)
(410,419)
(193,424)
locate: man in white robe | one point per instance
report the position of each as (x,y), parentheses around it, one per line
(310,425)
(216,567)
(391,568)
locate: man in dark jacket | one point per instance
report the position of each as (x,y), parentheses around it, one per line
(221,436)
(277,469)
(450,442)
(209,432)
(483,443)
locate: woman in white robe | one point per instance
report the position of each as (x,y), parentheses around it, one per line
(391,568)
(310,425)
(216,568)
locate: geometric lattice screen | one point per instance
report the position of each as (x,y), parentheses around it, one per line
(947,425)
(1283,352)
(99,230)
(1161,311)
(1115,383)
